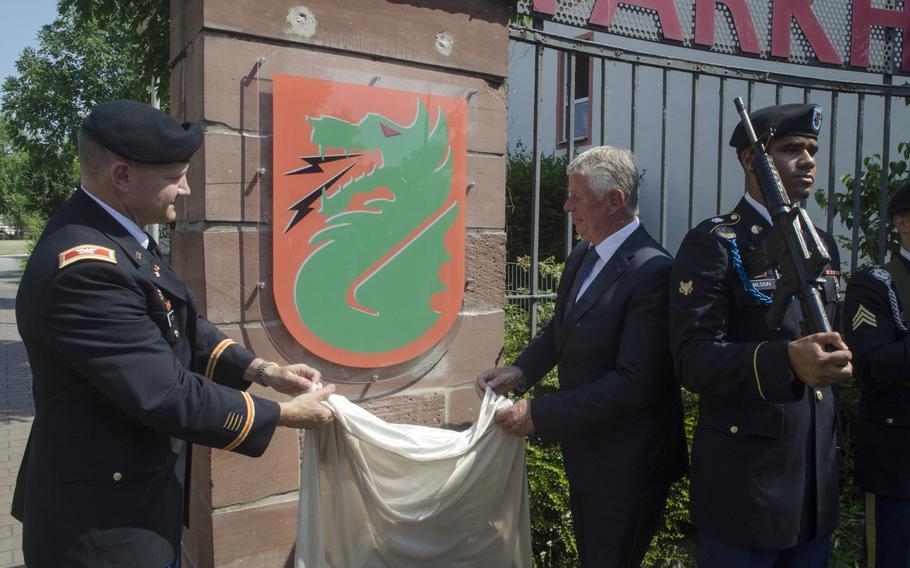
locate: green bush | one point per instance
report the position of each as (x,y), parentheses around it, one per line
(870,185)
(519,202)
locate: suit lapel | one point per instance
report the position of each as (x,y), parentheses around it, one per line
(603,283)
(573,265)
(756,228)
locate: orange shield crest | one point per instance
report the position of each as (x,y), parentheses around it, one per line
(369,218)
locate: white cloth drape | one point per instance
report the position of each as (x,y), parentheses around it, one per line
(374,494)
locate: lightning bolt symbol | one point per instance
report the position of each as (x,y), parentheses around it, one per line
(314,165)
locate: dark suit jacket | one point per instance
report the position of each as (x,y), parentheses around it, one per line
(617,414)
(881,361)
(764,459)
(118,353)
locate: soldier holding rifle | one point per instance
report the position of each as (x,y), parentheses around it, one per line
(765,462)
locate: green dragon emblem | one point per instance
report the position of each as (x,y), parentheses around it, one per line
(369,283)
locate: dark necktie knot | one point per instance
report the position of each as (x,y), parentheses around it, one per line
(587,264)
(153,247)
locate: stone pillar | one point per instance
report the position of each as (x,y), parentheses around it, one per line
(224,53)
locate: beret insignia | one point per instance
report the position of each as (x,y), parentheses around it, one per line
(86,252)
(686,288)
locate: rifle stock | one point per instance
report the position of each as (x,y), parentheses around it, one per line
(793,248)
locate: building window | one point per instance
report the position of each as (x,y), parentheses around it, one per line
(582,103)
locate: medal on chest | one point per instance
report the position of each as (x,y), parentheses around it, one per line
(168,307)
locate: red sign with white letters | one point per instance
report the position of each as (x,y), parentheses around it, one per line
(838,35)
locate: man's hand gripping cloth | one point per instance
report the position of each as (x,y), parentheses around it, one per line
(374,494)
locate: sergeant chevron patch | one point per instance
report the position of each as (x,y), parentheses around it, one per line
(864,316)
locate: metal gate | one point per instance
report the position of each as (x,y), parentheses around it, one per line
(669,107)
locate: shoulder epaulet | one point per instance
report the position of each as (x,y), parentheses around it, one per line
(86,252)
(720,225)
(881,274)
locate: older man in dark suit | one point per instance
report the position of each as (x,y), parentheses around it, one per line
(617,414)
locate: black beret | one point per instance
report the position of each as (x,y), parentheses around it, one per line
(900,201)
(786,120)
(138,132)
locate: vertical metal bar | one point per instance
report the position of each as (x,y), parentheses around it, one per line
(803,202)
(663,159)
(634,106)
(720,142)
(692,123)
(750,88)
(778,90)
(831,160)
(535,202)
(603,102)
(570,139)
(886,165)
(857,180)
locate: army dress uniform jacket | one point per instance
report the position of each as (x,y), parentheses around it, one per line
(881,361)
(122,366)
(617,414)
(764,469)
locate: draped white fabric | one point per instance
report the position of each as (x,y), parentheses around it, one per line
(374,494)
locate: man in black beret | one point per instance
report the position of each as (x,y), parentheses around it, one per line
(126,372)
(764,468)
(876,303)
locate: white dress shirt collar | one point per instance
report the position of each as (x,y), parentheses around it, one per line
(609,245)
(762,210)
(131,227)
(605,251)
(905,253)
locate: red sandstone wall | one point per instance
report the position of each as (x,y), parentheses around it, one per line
(244,510)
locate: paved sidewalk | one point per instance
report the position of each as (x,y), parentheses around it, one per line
(16,408)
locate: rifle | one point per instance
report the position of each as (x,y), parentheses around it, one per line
(793,247)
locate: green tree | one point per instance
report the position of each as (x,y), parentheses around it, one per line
(869,187)
(94,51)
(519,196)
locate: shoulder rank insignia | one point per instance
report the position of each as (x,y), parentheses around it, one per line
(725,232)
(864,316)
(86,252)
(686,288)
(722,225)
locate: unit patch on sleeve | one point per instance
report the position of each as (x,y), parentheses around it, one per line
(864,316)
(86,252)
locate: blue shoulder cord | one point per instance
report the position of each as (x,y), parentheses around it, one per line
(738,264)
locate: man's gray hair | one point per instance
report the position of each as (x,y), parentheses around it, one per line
(606,167)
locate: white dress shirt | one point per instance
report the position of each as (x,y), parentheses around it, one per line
(763,211)
(605,250)
(132,228)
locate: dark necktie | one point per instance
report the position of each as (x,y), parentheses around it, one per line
(587,263)
(153,247)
